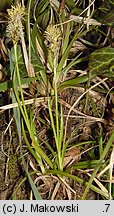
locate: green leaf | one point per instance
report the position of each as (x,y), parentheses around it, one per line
(35,33)
(41,7)
(8,84)
(71,3)
(16,110)
(66,53)
(105,13)
(42,13)
(17,116)
(102,62)
(88,164)
(34,60)
(20,59)
(66,39)
(104,153)
(72,83)
(77,179)
(33,186)
(43,19)
(72,6)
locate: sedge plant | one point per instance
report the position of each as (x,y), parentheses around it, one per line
(53,55)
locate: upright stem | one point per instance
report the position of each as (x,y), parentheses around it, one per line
(58,142)
(19,81)
(24,111)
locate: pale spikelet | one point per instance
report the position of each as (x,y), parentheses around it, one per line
(15,28)
(52,33)
(53,37)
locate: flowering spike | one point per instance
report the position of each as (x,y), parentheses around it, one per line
(15,28)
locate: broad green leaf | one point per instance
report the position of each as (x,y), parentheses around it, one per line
(21,64)
(102,62)
(8,84)
(34,60)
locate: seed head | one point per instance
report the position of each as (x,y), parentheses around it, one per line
(15,28)
(53,37)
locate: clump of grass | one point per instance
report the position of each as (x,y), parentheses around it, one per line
(53,54)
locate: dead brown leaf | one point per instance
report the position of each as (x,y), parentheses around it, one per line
(72,156)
